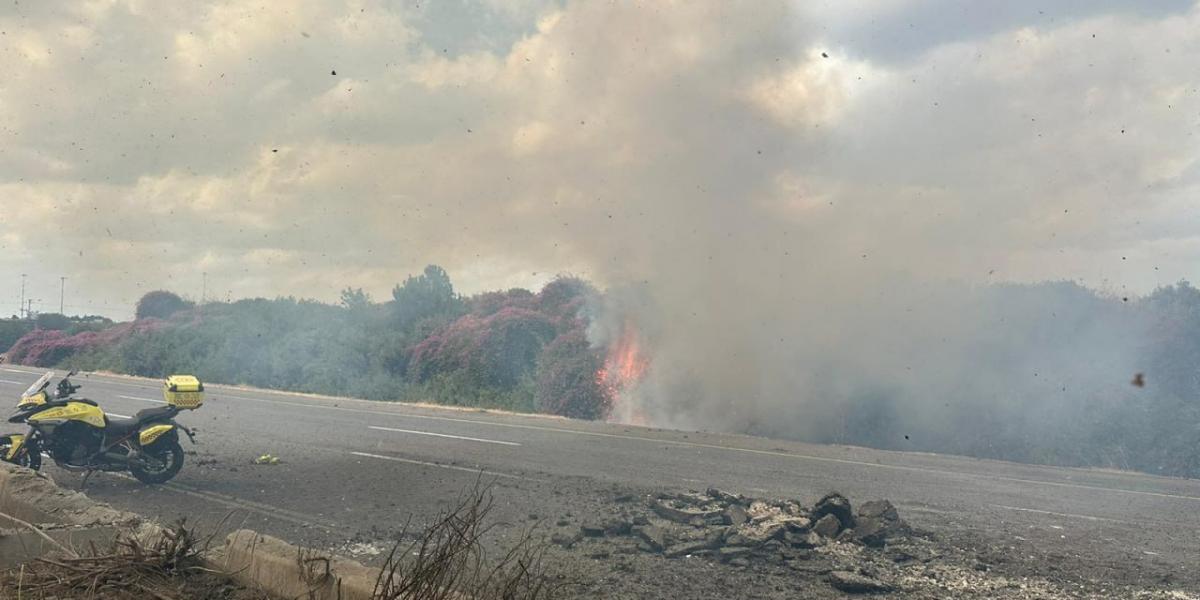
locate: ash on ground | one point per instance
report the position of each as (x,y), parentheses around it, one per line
(784,549)
(738,530)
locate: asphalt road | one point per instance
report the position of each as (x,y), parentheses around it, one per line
(357,470)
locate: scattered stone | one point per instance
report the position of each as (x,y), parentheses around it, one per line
(687,548)
(592,530)
(729,553)
(853,583)
(739,562)
(877,521)
(827,526)
(723,496)
(653,536)
(687,516)
(837,505)
(879,509)
(618,527)
(755,537)
(798,524)
(566,540)
(735,515)
(808,539)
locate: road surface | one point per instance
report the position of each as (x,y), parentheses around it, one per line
(356,470)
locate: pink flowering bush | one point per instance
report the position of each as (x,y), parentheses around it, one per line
(50,347)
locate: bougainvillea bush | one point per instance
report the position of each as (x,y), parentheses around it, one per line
(425,344)
(51,347)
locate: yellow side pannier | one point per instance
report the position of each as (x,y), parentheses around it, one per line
(183,391)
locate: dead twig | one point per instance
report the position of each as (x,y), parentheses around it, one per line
(41,533)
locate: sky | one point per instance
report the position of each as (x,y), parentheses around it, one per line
(253,148)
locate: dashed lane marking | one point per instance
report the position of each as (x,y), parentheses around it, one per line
(118,416)
(440,466)
(12,382)
(443,435)
(825,459)
(265,510)
(1059,514)
(143,399)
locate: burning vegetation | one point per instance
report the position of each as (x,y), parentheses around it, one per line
(625,365)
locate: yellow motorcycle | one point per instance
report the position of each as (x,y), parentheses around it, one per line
(79,436)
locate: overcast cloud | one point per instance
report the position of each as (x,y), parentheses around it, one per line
(812,152)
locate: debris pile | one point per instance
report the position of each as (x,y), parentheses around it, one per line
(736,529)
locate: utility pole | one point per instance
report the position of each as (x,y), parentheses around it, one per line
(62,294)
(29,311)
(22,308)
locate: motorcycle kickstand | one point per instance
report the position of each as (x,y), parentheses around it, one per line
(86,477)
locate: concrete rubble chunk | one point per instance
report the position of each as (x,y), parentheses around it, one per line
(755,537)
(798,524)
(566,540)
(879,509)
(618,527)
(731,552)
(653,536)
(808,539)
(827,526)
(877,521)
(735,515)
(688,516)
(688,548)
(723,496)
(853,583)
(592,530)
(837,505)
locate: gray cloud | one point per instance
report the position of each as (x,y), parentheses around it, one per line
(769,201)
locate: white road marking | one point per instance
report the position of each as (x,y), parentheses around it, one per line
(11,381)
(266,510)
(843,461)
(143,399)
(17,371)
(443,435)
(687,444)
(432,464)
(1058,514)
(118,416)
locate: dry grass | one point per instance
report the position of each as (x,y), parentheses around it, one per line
(130,568)
(448,561)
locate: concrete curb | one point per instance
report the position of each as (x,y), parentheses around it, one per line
(286,571)
(258,561)
(34,497)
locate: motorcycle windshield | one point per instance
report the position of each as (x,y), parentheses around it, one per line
(39,385)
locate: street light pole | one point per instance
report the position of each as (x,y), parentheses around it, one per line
(22,308)
(62,294)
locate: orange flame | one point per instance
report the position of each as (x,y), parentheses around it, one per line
(623,369)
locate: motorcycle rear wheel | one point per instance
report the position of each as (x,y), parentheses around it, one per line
(29,457)
(164,459)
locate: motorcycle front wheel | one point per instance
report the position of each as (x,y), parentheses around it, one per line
(29,457)
(162,460)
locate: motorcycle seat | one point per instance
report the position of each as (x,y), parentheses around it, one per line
(151,414)
(118,428)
